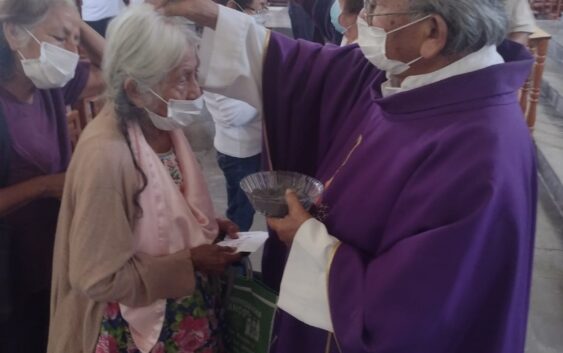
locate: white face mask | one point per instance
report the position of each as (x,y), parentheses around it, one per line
(54,67)
(180,113)
(261,18)
(372,41)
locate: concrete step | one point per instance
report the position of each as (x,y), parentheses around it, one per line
(548,135)
(552,86)
(555,49)
(552,83)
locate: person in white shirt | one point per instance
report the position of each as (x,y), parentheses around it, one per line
(238,141)
(98,13)
(238,138)
(521,21)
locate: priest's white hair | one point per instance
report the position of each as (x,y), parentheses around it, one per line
(472,24)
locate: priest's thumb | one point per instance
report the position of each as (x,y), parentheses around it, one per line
(293,202)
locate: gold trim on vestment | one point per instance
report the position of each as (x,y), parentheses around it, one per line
(358,142)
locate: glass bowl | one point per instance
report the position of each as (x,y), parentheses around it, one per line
(266,191)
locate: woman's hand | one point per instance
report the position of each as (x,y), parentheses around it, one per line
(213,259)
(202,12)
(51,185)
(92,44)
(18,195)
(227,228)
(287,227)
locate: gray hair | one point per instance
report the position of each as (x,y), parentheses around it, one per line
(145,46)
(472,24)
(22,13)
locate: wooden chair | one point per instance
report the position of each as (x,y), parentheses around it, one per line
(80,114)
(74,127)
(530,92)
(547,9)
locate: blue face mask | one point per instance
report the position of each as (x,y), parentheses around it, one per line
(335,12)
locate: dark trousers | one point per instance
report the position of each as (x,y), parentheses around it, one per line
(100,26)
(28,328)
(239,209)
(301,23)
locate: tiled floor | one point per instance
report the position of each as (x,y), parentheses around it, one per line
(545,325)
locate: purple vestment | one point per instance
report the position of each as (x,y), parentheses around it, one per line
(432,193)
(39,145)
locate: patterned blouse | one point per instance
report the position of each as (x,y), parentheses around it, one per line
(191,324)
(171,162)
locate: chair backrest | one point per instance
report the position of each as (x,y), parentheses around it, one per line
(530,92)
(74,127)
(80,114)
(547,9)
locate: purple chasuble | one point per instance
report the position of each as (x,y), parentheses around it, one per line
(432,193)
(39,145)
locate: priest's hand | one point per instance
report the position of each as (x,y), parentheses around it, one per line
(287,227)
(202,12)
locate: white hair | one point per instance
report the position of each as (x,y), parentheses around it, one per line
(472,24)
(145,46)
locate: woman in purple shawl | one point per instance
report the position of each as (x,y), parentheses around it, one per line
(40,76)
(423,238)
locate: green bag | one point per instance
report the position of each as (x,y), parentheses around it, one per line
(250,309)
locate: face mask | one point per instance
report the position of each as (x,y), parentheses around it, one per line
(261,18)
(335,12)
(372,42)
(180,113)
(54,67)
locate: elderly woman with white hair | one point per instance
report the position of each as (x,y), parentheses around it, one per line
(135,262)
(40,75)
(423,238)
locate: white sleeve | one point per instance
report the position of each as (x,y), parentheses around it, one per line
(231,57)
(229,112)
(304,285)
(520,16)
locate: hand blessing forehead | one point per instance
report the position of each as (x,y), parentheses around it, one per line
(172,7)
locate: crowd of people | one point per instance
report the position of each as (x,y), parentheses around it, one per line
(406,110)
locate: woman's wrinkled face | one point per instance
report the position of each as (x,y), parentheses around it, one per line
(60,27)
(180,83)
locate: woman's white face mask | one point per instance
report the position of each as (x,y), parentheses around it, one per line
(180,113)
(372,41)
(54,68)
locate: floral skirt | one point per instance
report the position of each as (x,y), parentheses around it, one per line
(191,324)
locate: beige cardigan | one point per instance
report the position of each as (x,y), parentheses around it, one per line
(94,261)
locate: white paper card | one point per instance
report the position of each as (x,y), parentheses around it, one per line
(246,242)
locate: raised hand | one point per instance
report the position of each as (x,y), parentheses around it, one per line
(203,12)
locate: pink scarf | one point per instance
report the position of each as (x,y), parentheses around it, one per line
(172,221)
